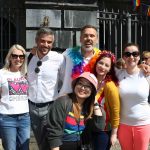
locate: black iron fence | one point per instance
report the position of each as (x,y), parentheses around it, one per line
(11,29)
(115,29)
(118,28)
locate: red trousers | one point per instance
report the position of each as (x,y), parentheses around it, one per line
(134,137)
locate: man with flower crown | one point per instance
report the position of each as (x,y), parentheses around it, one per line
(81,58)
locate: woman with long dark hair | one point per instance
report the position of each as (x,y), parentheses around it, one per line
(74,114)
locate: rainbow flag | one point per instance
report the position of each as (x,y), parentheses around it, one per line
(136,3)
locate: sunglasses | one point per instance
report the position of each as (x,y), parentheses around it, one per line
(37,69)
(15,56)
(134,54)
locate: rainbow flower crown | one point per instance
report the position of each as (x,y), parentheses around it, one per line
(107,53)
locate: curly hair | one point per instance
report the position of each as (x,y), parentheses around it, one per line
(111,75)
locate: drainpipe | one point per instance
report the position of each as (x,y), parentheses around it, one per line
(129,27)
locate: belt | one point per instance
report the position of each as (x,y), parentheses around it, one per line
(15,115)
(40,104)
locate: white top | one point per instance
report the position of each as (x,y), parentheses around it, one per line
(43,86)
(14,88)
(66,87)
(134,91)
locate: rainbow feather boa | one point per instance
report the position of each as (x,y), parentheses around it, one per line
(79,65)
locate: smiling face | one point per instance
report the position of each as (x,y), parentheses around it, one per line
(44,44)
(146,57)
(147,60)
(83,89)
(16,59)
(103,66)
(88,39)
(131,56)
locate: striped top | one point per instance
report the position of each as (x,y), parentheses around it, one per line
(73,128)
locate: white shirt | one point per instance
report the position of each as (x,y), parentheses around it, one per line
(66,87)
(134,91)
(14,90)
(43,86)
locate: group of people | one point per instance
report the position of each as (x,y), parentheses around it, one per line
(75,100)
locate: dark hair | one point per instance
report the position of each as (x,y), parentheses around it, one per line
(131,44)
(88,26)
(88,103)
(111,75)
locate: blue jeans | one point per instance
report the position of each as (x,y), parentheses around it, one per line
(101,140)
(15,131)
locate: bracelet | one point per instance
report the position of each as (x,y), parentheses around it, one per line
(96,104)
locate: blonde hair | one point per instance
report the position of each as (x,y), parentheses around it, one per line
(146,54)
(23,68)
(120,63)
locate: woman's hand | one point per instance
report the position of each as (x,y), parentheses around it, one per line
(113,138)
(33,50)
(145,68)
(97,109)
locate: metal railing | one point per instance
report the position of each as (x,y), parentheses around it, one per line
(119,28)
(115,29)
(10,29)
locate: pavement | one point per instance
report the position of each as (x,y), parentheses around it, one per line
(33,145)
